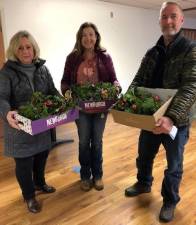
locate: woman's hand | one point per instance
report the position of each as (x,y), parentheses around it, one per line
(11,120)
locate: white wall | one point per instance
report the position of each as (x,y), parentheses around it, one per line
(189,23)
(54,24)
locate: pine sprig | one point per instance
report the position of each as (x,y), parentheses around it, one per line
(44,105)
(138,101)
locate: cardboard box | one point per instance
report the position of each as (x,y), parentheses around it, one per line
(41,125)
(145,122)
(95,107)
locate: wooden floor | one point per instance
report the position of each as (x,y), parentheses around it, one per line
(70,206)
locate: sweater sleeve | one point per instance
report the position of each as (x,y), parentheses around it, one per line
(110,68)
(186,95)
(68,70)
(112,74)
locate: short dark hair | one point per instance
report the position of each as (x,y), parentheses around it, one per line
(171,3)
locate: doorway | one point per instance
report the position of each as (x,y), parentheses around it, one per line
(2,61)
(2,49)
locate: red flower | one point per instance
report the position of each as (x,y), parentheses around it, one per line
(134,107)
(48,103)
(156,98)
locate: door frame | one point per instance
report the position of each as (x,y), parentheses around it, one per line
(2,58)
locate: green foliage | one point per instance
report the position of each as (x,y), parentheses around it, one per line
(42,106)
(95,92)
(139,102)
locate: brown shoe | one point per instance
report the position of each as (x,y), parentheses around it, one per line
(85,185)
(33,205)
(98,184)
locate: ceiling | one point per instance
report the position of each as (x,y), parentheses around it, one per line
(155,4)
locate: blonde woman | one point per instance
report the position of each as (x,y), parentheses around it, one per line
(23,73)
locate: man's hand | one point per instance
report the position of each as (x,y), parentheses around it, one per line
(11,120)
(163,125)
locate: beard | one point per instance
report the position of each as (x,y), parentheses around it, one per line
(169,31)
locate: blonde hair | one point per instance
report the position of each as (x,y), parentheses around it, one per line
(14,45)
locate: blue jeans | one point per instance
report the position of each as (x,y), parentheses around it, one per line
(147,149)
(90,132)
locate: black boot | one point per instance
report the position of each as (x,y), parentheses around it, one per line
(33,205)
(167,212)
(45,188)
(137,189)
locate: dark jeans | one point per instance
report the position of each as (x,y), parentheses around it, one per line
(147,149)
(90,132)
(30,172)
